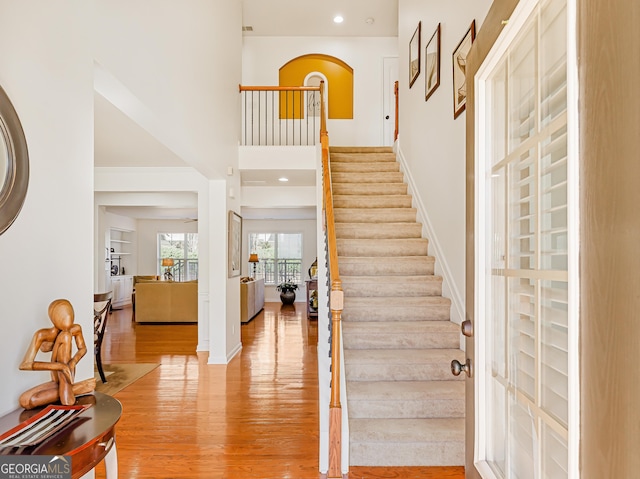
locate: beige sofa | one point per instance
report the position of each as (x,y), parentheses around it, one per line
(251,299)
(166,302)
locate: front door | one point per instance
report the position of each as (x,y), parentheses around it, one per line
(526,253)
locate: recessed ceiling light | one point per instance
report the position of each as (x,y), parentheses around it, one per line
(338,19)
(283,179)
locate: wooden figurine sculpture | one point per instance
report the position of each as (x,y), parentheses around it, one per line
(57,340)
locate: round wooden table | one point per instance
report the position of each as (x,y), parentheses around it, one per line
(88,439)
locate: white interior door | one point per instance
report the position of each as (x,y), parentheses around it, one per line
(390,72)
(526,253)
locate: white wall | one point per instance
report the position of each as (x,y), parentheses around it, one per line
(262,58)
(309,249)
(430,141)
(170,56)
(46,69)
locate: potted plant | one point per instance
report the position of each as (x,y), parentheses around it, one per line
(287,292)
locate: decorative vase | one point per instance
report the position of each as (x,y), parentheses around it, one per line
(288,297)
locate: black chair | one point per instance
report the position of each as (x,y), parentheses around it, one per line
(101,309)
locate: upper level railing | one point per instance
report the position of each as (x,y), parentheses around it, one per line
(281,115)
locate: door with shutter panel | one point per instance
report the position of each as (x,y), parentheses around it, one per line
(526,252)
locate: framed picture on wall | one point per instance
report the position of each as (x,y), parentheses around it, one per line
(235,244)
(432,64)
(414,56)
(459,70)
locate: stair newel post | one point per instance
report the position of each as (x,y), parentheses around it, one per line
(335,408)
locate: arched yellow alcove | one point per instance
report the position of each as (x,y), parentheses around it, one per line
(338,74)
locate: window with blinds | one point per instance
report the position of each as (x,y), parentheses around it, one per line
(526,306)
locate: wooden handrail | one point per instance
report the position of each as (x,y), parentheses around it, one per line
(336,304)
(396,93)
(278,88)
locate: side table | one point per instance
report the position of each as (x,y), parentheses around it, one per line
(312,285)
(88,439)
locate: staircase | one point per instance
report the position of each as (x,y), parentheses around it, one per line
(405,407)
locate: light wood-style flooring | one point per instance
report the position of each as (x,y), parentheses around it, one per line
(255,418)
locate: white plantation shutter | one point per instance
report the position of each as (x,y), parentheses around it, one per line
(526,370)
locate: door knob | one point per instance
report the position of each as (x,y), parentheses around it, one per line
(386,117)
(467,328)
(457,367)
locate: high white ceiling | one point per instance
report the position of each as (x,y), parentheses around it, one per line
(362,18)
(121,142)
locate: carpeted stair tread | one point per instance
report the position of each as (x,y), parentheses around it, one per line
(407,442)
(375,177)
(375,215)
(407,431)
(376,327)
(383,247)
(396,265)
(372,201)
(401,364)
(351,188)
(364,167)
(406,399)
(392,286)
(411,390)
(379,231)
(400,334)
(407,308)
(404,357)
(353,158)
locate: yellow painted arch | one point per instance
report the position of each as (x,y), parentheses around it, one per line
(339,76)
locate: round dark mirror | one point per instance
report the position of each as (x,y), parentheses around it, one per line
(14,163)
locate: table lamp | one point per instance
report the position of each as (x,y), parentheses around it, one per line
(253,258)
(168,263)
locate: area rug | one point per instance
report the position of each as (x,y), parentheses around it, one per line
(119,376)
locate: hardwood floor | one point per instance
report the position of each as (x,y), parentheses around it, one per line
(255,418)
